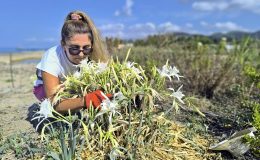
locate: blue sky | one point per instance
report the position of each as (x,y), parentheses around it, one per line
(37,23)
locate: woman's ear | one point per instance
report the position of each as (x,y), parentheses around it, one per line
(62,43)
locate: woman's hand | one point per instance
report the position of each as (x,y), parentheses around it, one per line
(95,98)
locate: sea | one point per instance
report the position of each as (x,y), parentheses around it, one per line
(4,51)
(18,50)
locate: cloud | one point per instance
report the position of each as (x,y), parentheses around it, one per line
(31,39)
(41,40)
(117,26)
(168,27)
(223,26)
(34,39)
(189,25)
(221,5)
(127,9)
(139,30)
(210,6)
(50,39)
(117,13)
(204,24)
(229,26)
(112,30)
(142,30)
(250,5)
(150,27)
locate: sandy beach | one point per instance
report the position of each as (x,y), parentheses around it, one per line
(16,93)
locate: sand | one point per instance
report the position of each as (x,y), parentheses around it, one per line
(16,97)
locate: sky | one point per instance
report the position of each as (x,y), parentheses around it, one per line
(37,23)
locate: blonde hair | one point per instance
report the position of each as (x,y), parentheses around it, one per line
(78,22)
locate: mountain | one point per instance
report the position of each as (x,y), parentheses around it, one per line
(256,35)
(205,39)
(238,35)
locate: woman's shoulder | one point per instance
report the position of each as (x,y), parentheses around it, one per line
(53,52)
(54,49)
(50,61)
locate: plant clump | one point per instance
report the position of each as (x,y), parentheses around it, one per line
(131,125)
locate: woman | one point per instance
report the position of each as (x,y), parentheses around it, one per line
(79,40)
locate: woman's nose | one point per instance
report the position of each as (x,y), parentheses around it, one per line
(81,54)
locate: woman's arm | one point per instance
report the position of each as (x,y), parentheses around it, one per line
(51,86)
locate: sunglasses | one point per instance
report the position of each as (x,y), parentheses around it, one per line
(75,50)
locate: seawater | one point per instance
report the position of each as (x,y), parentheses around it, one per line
(17,50)
(30,61)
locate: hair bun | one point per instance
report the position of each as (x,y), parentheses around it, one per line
(75,16)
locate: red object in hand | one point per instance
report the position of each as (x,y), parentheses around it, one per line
(95,99)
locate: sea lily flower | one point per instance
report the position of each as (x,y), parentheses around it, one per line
(77,74)
(168,71)
(44,112)
(108,106)
(87,65)
(84,62)
(130,65)
(119,96)
(101,67)
(92,125)
(178,94)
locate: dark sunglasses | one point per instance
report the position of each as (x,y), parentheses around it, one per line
(75,50)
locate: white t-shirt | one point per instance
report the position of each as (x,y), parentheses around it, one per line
(55,62)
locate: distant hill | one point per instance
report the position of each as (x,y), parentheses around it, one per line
(256,35)
(232,35)
(164,39)
(238,35)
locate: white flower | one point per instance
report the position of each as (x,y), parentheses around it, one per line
(77,74)
(130,65)
(45,109)
(119,96)
(92,67)
(84,62)
(168,71)
(87,65)
(101,67)
(178,94)
(108,106)
(44,112)
(92,125)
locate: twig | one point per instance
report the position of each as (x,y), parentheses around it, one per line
(11,69)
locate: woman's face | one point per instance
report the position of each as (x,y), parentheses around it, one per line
(75,47)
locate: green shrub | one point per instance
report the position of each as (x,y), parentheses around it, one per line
(207,68)
(252,83)
(22,146)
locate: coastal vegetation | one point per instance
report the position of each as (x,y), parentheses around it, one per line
(175,96)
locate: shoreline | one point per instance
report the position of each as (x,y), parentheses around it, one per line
(17,57)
